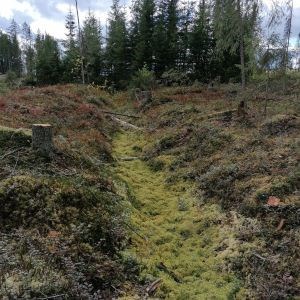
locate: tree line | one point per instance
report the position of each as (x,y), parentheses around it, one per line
(191,40)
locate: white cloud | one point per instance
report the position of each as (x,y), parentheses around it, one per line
(8,9)
(269,3)
(38,12)
(52,27)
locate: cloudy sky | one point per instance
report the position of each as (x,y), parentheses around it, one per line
(49,15)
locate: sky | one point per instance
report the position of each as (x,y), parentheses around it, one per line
(49,15)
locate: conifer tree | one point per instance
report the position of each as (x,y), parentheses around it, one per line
(92,49)
(48,65)
(235,24)
(71,61)
(143,51)
(166,36)
(15,60)
(202,45)
(117,55)
(185,27)
(28,51)
(4,52)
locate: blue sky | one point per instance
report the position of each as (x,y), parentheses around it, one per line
(49,15)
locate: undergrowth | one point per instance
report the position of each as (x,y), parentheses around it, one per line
(238,164)
(63,223)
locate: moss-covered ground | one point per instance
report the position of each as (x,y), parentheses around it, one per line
(171,229)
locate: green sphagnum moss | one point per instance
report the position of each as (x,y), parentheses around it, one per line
(183,240)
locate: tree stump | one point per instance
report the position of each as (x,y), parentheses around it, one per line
(143,97)
(42,139)
(242,110)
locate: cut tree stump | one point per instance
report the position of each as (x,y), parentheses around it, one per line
(42,139)
(143,97)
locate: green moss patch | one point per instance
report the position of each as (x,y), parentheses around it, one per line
(170,230)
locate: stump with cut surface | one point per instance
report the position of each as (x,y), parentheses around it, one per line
(42,139)
(143,97)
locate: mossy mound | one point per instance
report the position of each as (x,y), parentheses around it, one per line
(13,138)
(238,165)
(63,224)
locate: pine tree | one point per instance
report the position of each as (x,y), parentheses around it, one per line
(92,49)
(117,54)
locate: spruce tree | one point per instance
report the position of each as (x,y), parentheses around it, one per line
(202,45)
(117,52)
(92,49)
(235,24)
(4,52)
(48,67)
(143,51)
(185,28)
(71,60)
(166,36)
(15,60)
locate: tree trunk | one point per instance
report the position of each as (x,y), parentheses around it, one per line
(42,139)
(242,50)
(288,36)
(80,44)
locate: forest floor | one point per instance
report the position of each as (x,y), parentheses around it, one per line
(175,238)
(214,195)
(202,203)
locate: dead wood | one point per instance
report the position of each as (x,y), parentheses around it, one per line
(130,158)
(119,114)
(153,286)
(125,124)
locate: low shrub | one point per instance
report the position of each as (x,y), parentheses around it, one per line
(70,231)
(280,125)
(143,79)
(13,138)
(156,164)
(220,182)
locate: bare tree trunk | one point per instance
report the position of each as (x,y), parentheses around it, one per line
(80,42)
(241,42)
(288,30)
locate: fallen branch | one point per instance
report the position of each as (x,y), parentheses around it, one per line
(133,230)
(259,256)
(161,266)
(9,153)
(129,158)
(126,124)
(221,113)
(153,286)
(52,297)
(119,114)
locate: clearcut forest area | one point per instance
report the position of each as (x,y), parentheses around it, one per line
(153,154)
